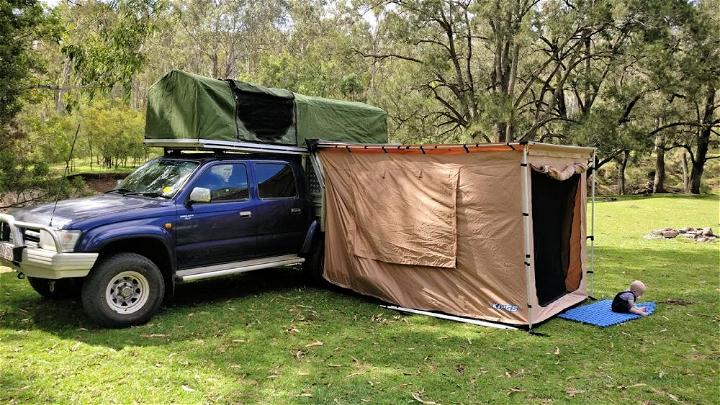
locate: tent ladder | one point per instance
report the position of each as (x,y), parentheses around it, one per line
(450,317)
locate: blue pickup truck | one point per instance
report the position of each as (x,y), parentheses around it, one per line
(178,218)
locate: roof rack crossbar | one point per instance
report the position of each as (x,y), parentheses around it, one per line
(235,146)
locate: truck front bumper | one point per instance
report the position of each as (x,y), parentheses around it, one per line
(37,262)
(41,263)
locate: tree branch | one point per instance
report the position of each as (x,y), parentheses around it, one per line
(388,55)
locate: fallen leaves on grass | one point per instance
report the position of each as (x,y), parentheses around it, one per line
(677,302)
(314,344)
(515,390)
(187,388)
(155,335)
(572,391)
(418,397)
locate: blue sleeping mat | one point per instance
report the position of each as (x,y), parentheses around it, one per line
(599,313)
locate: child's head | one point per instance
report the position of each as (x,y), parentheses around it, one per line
(637,287)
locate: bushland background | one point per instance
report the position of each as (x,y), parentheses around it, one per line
(638,79)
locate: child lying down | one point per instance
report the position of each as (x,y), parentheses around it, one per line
(624,301)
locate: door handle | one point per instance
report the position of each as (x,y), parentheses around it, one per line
(245,214)
(295,210)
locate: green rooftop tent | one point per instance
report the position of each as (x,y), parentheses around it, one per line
(187,106)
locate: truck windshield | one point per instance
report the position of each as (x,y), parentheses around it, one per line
(157,178)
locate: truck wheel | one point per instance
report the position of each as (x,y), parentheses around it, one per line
(314,265)
(56,289)
(123,290)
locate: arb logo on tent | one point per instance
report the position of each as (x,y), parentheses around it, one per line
(505,307)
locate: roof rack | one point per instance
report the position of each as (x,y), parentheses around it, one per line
(237,146)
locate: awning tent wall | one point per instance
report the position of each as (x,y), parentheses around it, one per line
(441,228)
(187,106)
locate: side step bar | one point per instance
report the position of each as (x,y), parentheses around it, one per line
(225,269)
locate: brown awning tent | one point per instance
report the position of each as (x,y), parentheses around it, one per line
(492,232)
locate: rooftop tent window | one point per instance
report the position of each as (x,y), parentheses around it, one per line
(267,114)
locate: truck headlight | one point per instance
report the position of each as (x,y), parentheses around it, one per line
(68,239)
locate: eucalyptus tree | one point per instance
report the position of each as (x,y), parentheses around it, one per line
(22,25)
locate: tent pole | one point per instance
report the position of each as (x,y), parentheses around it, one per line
(591,280)
(526,230)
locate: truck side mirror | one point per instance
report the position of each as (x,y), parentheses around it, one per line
(200,195)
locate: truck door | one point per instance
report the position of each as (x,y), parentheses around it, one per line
(224,229)
(282,213)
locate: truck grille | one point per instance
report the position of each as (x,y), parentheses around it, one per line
(5,232)
(32,238)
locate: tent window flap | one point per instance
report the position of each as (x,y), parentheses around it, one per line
(407,216)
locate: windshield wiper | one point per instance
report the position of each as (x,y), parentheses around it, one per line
(146,194)
(120,190)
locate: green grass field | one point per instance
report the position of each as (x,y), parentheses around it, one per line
(266,337)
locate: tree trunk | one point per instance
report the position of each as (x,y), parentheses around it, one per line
(621,171)
(214,59)
(703,142)
(90,147)
(685,174)
(60,94)
(698,166)
(659,181)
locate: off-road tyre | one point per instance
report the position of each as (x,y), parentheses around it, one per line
(123,290)
(62,289)
(314,265)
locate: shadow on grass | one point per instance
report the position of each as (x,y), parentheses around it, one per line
(262,330)
(663,270)
(18,388)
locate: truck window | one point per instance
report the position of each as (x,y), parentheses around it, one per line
(227,182)
(275,180)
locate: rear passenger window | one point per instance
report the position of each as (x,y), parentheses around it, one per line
(275,180)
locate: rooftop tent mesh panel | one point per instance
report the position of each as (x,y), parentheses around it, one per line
(268,117)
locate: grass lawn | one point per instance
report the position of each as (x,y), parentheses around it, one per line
(266,337)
